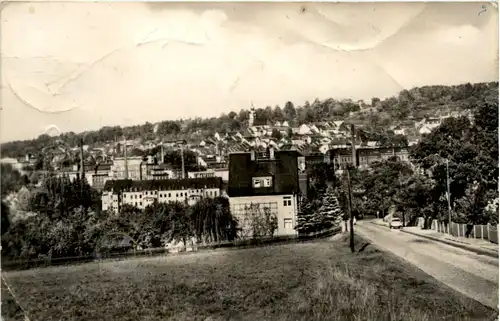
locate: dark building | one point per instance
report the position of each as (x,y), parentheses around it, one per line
(253,174)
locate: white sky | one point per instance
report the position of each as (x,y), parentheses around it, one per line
(81,66)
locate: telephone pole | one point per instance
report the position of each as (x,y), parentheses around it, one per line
(351,223)
(82,169)
(182,157)
(351,218)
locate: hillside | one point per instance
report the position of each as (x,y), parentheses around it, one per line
(377,116)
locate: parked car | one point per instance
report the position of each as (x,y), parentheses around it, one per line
(395,223)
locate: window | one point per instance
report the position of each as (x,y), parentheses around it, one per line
(140,203)
(287,223)
(169,194)
(181,194)
(140,196)
(176,194)
(267,182)
(287,201)
(256,183)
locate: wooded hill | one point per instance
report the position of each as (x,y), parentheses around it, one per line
(378,115)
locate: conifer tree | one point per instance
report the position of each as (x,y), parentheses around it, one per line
(330,214)
(305,216)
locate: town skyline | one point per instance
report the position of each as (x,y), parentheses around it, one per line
(65,82)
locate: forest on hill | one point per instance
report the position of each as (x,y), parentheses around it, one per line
(377,116)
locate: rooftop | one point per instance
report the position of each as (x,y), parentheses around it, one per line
(167,184)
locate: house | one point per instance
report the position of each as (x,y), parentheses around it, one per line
(264,184)
(141,194)
(426,129)
(399,130)
(304,130)
(95,175)
(314,129)
(285,124)
(342,157)
(277,124)
(307,139)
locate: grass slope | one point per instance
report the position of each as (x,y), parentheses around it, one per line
(318,280)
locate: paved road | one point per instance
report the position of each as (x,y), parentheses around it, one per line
(471,274)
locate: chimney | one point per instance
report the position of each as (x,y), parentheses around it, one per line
(252,155)
(126,160)
(81,159)
(271,153)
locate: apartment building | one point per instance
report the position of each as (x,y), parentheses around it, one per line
(268,183)
(211,172)
(96,175)
(342,157)
(127,168)
(143,193)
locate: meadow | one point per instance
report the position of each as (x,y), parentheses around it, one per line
(319,280)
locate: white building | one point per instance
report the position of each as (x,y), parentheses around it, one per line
(211,172)
(143,193)
(264,186)
(129,168)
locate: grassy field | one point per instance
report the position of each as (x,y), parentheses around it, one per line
(318,280)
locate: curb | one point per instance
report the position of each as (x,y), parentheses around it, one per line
(489,253)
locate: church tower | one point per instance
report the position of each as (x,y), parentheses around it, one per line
(251,117)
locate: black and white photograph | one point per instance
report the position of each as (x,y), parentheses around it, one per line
(249,161)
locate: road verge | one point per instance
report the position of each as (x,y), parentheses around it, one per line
(461,245)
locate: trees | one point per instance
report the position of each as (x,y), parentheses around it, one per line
(11,179)
(472,152)
(212,221)
(258,221)
(418,102)
(289,111)
(330,214)
(5,223)
(319,213)
(276,134)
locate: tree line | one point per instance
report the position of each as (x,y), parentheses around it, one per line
(419,188)
(62,218)
(417,102)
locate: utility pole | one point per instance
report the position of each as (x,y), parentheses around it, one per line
(82,170)
(351,222)
(182,157)
(351,218)
(448,192)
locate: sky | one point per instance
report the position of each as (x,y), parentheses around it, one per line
(70,66)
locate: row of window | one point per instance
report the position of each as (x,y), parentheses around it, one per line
(181,194)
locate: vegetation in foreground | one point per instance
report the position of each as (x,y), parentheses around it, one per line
(309,281)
